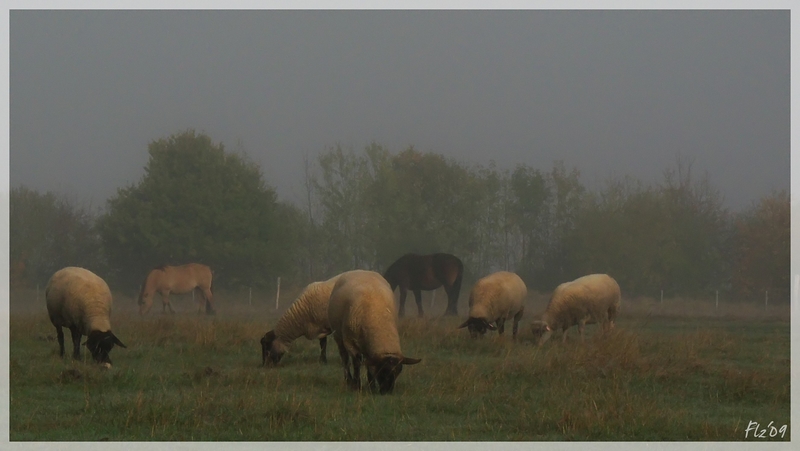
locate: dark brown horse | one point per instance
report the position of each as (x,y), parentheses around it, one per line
(426,272)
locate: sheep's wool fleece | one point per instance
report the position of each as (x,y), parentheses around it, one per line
(363,315)
(585,297)
(78,297)
(308,315)
(498,295)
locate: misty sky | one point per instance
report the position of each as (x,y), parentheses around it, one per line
(610,92)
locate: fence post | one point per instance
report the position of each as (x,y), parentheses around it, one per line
(278,294)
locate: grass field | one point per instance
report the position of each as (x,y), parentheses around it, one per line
(685,371)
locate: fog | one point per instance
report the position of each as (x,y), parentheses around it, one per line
(609,92)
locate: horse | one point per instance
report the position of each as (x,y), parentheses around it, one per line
(180,280)
(426,272)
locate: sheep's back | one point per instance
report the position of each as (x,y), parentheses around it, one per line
(586,297)
(308,315)
(497,295)
(78,297)
(362,312)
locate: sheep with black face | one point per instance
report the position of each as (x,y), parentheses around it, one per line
(363,316)
(494,299)
(307,317)
(81,301)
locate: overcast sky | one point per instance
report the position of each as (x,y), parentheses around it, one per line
(609,92)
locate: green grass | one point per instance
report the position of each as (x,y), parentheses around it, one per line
(191,377)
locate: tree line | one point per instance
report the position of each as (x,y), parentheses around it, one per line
(198,202)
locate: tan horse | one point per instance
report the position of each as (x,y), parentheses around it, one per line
(176,279)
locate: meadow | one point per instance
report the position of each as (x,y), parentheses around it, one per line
(681,370)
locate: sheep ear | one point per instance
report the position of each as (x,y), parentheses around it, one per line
(117,342)
(410,361)
(466,323)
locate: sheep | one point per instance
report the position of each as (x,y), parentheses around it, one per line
(80,300)
(586,300)
(307,316)
(363,316)
(495,298)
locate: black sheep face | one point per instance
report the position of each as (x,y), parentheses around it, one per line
(100,344)
(383,375)
(269,350)
(477,326)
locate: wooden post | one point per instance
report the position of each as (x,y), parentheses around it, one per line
(278,294)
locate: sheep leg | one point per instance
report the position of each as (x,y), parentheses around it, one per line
(357,371)
(501,326)
(418,298)
(348,378)
(60,334)
(517,318)
(76,342)
(403,294)
(323,346)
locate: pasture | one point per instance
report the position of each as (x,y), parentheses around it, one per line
(681,371)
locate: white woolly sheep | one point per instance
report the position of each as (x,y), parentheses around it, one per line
(495,298)
(307,317)
(81,301)
(363,316)
(586,300)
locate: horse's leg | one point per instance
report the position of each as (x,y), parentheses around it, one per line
(451,303)
(209,297)
(418,298)
(165,301)
(403,293)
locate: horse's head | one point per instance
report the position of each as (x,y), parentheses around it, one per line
(145,302)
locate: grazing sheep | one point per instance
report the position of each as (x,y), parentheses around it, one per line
(81,301)
(586,300)
(307,317)
(495,298)
(363,316)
